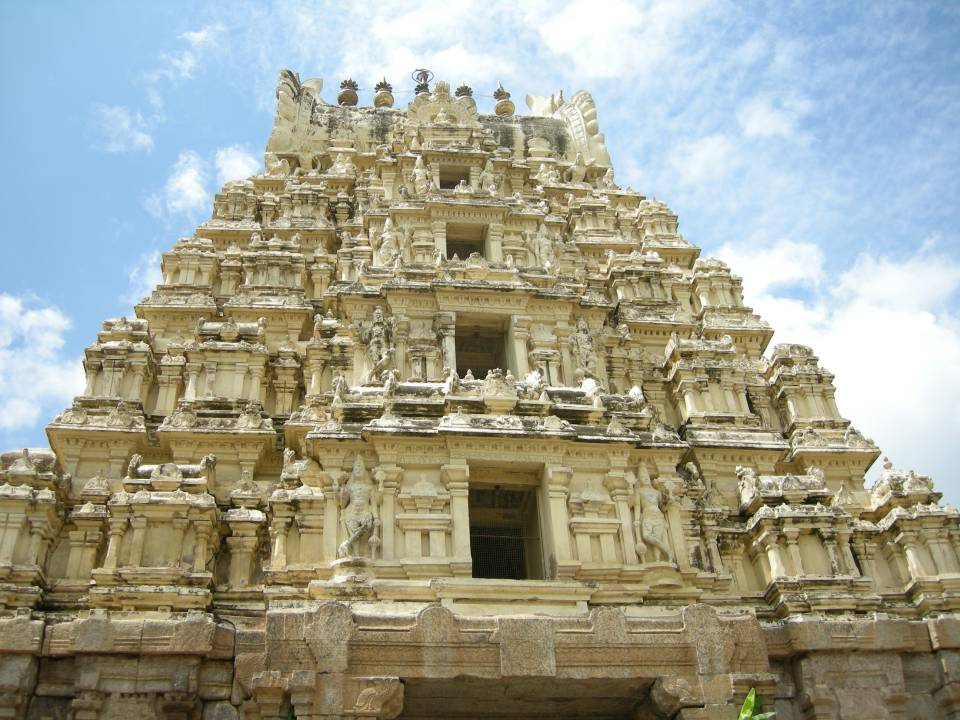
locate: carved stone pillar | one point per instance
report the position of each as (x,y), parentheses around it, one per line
(830,543)
(909,542)
(203,530)
(392,474)
(446,324)
(91,369)
(866,555)
(193,374)
(495,242)
(769,545)
(456,478)
(84,543)
(242,545)
(139,525)
(118,526)
(735,553)
(255,393)
(621,497)
(556,487)
(846,555)
(938,541)
(792,538)
(169,381)
(439,229)
(278,540)
(519,338)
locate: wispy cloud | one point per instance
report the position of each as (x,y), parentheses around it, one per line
(235,163)
(143,276)
(117,129)
(185,191)
(761,117)
(36,379)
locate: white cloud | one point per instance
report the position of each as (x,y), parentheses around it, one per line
(784,263)
(235,163)
(760,117)
(35,378)
(143,277)
(917,283)
(707,159)
(120,130)
(615,38)
(884,328)
(207,35)
(186,189)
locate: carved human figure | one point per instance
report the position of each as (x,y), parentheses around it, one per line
(487,179)
(607,180)
(343,165)
(581,344)
(649,521)
(451,381)
(388,247)
(378,336)
(421,177)
(358,500)
(339,386)
(543,244)
(747,484)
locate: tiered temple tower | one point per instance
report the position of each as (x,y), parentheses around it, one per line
(434,419)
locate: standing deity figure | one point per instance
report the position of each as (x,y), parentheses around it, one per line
(581,344)
(378,337)
(607,180)
(388,248)
(358,500)
(544,247)
(487,180)
(340,386)
(649,520)
(748,487)
(421,177)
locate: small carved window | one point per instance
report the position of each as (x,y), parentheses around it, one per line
(465,239)
(451,175)
(505,534)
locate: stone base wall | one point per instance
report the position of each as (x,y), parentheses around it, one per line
(336,660)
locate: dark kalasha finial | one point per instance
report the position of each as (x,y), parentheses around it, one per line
(422,78)
(504,104)
(464,91)
(348,93)
(383,97)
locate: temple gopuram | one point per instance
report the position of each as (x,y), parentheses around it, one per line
(433,419)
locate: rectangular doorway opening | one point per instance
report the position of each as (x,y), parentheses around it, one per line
(451,175)
(505,533)
(480,347)
(464,239)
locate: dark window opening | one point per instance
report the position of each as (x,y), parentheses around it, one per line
(505,534)
(451,175)
(479,349)
(464,240)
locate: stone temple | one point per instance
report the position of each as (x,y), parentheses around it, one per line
(434,420)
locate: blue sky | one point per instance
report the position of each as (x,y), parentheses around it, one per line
(815,147)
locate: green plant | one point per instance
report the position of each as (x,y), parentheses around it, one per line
(752,708)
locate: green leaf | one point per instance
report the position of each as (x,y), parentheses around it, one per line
(746,710)
(763,716)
